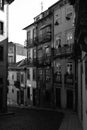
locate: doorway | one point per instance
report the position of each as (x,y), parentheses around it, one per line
(18,95)
(70,99)
(22,97)
(58,97)
(34,96)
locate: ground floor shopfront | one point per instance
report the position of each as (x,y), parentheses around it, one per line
(56,85)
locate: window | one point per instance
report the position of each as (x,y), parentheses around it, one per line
(34,33)
(29,40)
(10,50)
(29,54)
(28,73)
(1,4)
(40,52)
(58,42)
(12,76)
(45,33)
(12,90)
(69,68)
(22,78)
(47,51)
(1,28)
(28,35)
(10,59)
(48,75)
(34,74)
(69,38)
(57,73)
(34,53)
(40,74)
(28,92)
(1,53)
(18,76)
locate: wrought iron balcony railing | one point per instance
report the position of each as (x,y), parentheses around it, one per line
(64,51)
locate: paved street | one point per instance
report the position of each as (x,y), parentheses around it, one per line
(29,119)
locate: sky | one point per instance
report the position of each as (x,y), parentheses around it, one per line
(21,14)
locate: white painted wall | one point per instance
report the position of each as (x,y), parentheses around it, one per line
(12,96)
(4,18)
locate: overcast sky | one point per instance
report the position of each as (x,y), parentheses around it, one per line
(21,14)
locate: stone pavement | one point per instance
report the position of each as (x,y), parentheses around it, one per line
(70,122)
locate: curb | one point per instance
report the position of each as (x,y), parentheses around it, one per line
(7,114)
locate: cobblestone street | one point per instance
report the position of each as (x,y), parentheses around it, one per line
(29,119)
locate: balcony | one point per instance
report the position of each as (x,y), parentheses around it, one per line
(63,51)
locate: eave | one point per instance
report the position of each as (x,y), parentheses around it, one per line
(9,1)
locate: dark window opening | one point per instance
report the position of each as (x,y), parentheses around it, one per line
(1,53)
(1,28)
(12,90)
(28,92)
(34,74)
(28,73)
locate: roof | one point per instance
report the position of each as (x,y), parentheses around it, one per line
(28,26)
(19,65)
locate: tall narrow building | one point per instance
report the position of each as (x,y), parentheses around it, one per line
(4,4)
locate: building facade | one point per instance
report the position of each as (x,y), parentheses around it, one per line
(63,61)
(17,89)
(16,52)
(52,49)
(3,52)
